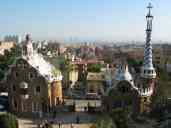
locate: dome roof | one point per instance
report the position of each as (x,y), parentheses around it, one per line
(122,74)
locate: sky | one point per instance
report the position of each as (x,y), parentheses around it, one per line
(84,19)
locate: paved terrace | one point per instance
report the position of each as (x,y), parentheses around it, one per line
(66,119)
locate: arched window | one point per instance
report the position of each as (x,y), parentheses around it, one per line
(13,87)
(38,89)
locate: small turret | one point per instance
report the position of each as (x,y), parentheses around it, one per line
(27,48)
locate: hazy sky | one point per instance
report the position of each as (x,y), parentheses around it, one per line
(95,19)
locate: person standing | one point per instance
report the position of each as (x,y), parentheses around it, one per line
(60,125)
(77,120)
(72,126)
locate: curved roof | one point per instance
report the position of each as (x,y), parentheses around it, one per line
(39,63)
(45,68)
(122,74)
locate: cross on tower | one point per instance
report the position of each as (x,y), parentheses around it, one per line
(149,7)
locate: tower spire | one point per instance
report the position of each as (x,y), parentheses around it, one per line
(148,70)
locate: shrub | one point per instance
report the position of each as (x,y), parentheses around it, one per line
(8,121)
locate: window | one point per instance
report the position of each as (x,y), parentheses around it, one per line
(38,89)
(158,57)
(21,64)
(13,88)
(24,65)
(31,76)
(70,82)
(16,74)
(145,99)
(103,77)
(158,62)
(14,103)
(91,90)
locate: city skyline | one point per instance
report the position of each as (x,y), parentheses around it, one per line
(90,20)
(84,64)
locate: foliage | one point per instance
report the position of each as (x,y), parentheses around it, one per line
(55,72)
(8,58)
(8,121)
(66,67)
(94,68)
(120,97)
(166,124)
(104,122)
(159,95)
(162,91)
(57,61)
(136,64)
(163,75)
(1,74)
(119,116)
(77,51)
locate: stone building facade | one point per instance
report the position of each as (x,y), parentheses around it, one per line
(34,85)
(95,83)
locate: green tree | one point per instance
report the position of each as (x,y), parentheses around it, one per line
(94,68)
(1,74)
(158,99)
(8,121)
(163,75)
(136,64)
(104,122)
(8,58)
(119,116)
(66,68)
